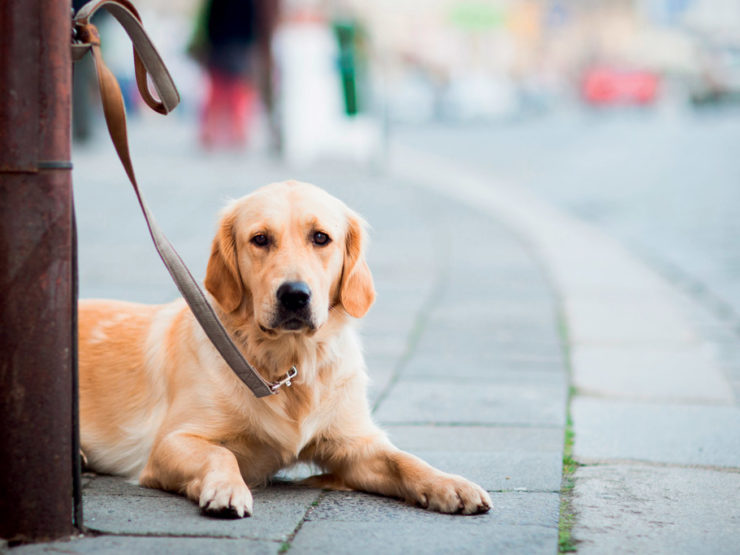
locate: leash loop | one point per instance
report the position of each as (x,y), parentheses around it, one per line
(147,61)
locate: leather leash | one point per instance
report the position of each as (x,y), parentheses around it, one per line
(148,63)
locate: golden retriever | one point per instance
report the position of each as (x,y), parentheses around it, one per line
(287,274)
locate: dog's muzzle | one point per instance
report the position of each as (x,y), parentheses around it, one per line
(293,306)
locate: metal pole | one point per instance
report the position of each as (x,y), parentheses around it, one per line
(37,295)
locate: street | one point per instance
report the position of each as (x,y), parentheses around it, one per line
(666,184)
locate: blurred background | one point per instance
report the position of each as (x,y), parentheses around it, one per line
(437,61)
(625,113)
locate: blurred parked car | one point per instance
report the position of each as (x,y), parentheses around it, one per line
(603,86)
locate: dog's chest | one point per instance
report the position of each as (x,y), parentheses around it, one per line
(302,421)
(278,446)
(309,428)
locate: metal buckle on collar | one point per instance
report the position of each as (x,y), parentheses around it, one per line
(285,380)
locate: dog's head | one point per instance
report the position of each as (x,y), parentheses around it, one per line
(287,255)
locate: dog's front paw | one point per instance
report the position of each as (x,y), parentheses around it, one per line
(448,493)
(224,496)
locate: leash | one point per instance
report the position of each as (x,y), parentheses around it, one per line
(148,63)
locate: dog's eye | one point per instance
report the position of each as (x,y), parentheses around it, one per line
(320,238)
(260,240)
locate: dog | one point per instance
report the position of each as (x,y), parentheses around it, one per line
(287,275)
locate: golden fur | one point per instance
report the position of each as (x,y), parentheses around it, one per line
(158,404)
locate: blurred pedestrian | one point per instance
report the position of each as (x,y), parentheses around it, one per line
(225,41)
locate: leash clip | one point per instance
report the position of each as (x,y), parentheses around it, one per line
(284,381)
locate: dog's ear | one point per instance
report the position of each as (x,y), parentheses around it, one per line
(357,291)
(223,280)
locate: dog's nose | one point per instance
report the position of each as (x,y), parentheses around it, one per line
(294,295)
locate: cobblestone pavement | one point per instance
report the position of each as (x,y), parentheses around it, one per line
(462,345)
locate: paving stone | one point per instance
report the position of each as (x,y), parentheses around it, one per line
(608,269)
(465,291)
(519,522)
(685,374)
(500,342)
(479,275)
(384,321)
(398,270)
(495,458)
(600,319)
(398,291)
(465,439)
(116,486)
(721,337)
(679,434)
(115,545)
(504,330)
(473,403)
(504,311)
(385,345)
(380,370)
(525,361)
(499,370)
(509,508)
(403,538)
(277,511)
(647,509)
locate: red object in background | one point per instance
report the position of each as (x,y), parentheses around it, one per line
(228,111)
(610,86)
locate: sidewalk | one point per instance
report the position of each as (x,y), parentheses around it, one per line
(656,402)
(462,346)
(476,279)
